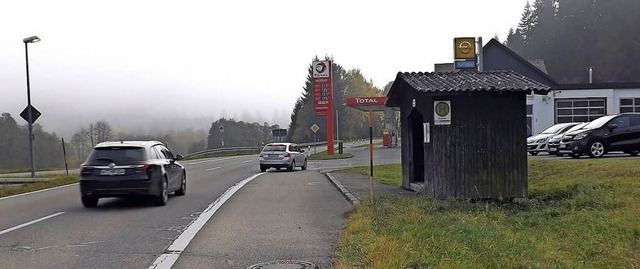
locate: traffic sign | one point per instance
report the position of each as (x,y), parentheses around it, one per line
(35,114)
(315,128)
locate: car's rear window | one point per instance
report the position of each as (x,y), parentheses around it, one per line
(275,148)
(117,155)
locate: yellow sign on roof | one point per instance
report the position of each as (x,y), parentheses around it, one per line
(464,47)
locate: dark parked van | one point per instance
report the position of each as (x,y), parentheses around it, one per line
(608,133)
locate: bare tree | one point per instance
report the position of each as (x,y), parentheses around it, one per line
(102,131)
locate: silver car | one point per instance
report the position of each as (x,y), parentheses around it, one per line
(282,155)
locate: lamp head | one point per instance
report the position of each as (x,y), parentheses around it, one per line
(32,39)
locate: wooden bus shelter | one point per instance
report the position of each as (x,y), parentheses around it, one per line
(464,133)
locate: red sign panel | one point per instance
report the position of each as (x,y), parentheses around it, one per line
(321,94)
(366,101)
(323,97)
(322,87)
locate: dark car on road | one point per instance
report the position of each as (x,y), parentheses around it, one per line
(620,132)
(131,168)
(282,155)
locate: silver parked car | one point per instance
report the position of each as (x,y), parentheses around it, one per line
(538,143)
(282,155)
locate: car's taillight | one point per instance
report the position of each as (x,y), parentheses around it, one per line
(85,171)
(286,154)
(144,167)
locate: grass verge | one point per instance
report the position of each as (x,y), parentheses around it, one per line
(323,156)
(57,180)
(367,145)
(390,174)
(580,215)
(25,170)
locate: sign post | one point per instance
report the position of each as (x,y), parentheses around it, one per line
(369,104)
(464,50)
(371,153)
(323,97)
(315,129)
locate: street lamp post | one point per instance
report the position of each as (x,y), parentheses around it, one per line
(26,41)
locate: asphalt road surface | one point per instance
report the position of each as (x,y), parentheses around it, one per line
(51,229)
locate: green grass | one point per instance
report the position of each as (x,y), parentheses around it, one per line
(367,145)
(323,156)
(57,180)
(390,174)
(582,214)
(26,170)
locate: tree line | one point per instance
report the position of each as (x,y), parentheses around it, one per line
(48,147)
(351,124)
(574,35)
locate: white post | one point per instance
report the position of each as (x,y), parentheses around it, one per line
(480,57)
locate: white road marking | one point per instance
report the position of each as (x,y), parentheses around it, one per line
(215,160)
(248,161)
(166,261)
(211,169)
(29,223)
(33,192)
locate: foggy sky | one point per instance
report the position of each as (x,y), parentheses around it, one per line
(133,62)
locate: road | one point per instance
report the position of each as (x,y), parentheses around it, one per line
(51,229)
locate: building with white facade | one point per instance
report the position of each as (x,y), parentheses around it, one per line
(564,102)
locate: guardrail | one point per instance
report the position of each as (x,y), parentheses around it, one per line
(238,150)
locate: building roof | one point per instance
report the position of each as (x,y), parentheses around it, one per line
(539,63)
(598,86)
(464,81)
(495,44)
(471,81)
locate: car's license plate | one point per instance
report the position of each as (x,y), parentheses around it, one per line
(274,155)
(553,149)
(563,146)
(112,172)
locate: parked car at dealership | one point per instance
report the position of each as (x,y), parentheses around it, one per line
(620,132)
(553,145)
(131,168)
(538,143)
(282,155)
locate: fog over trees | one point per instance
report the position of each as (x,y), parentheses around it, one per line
(570,35)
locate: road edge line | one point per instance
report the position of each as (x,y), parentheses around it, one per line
(171,255)
(30,223)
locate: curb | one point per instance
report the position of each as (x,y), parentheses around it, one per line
(345,192)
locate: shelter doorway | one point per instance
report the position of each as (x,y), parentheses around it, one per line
(417,146)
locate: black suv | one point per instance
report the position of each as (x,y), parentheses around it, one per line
(608,133)
(131,168)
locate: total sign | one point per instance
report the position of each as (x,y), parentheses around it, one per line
(366,101)
(321,69)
